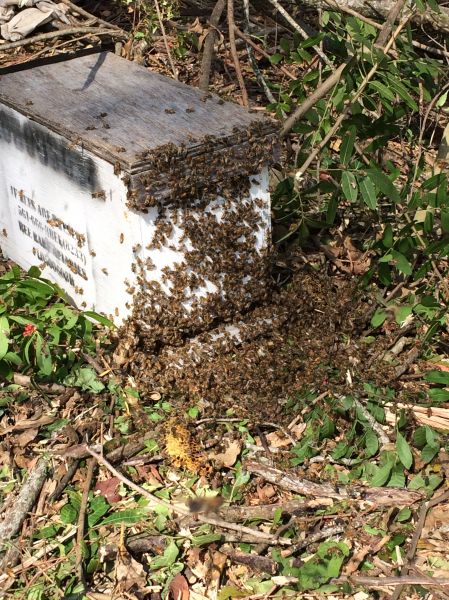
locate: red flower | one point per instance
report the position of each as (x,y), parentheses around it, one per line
(29,330)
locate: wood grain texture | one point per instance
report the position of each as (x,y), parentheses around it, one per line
(118,109)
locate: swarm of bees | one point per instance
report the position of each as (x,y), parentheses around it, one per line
(207,168)
(207,215)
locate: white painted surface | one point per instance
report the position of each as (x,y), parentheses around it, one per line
(83,243)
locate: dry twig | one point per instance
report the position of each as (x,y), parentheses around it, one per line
(235,58)
(26,499)
(75,8)
(300,30)
(209,43)
(164,36)
(299,485)
(184,510)
(51,35)
(82,518)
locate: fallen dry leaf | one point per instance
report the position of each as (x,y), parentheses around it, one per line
(179,588)
(108,488)
(230,455)
(23,439)
(130,574)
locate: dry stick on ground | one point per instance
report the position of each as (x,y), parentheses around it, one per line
(381,582)
(267,511)
(88,15)
(164,36)
(235,58)
(27,497)
(43,37)
(375,426)
(387,27)
(184,510)
(71,470)
(82,519)
(209,43)
(252,58)
(418,573)
(300,30)
(376,496)
(314,153)
(416,537)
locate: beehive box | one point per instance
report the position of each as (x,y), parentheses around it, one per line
(136,193)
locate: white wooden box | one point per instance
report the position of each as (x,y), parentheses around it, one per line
(137,194)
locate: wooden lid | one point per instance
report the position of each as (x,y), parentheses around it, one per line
(121,111)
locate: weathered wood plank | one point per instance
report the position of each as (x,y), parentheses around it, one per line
(118,109)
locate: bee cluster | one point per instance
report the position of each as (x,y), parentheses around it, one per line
(257,363)
(220,271)
(205,214)
(207,167)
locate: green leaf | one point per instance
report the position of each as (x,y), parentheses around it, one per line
(445,219)
(381,475)
(323,566)
(383,184)
(402,313)
(276,58)
(402,263)
(128,516)
(428,453)
(349,186)
(331,210)
(206,539)
(347,145)
(170,555)
(397,478)
(404,453)
(435,394)
(378,318)
(43,357)
(382,90)
(387,238)
(401,90)
(432,438)
(85,378)
(437,377)
(371,443)
(68,514)
(100,318)
(404,515)
(98,508)
(368,192)
(4,343)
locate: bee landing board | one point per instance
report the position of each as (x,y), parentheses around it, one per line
(137,194)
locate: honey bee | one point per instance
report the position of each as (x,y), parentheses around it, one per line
(101,195)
